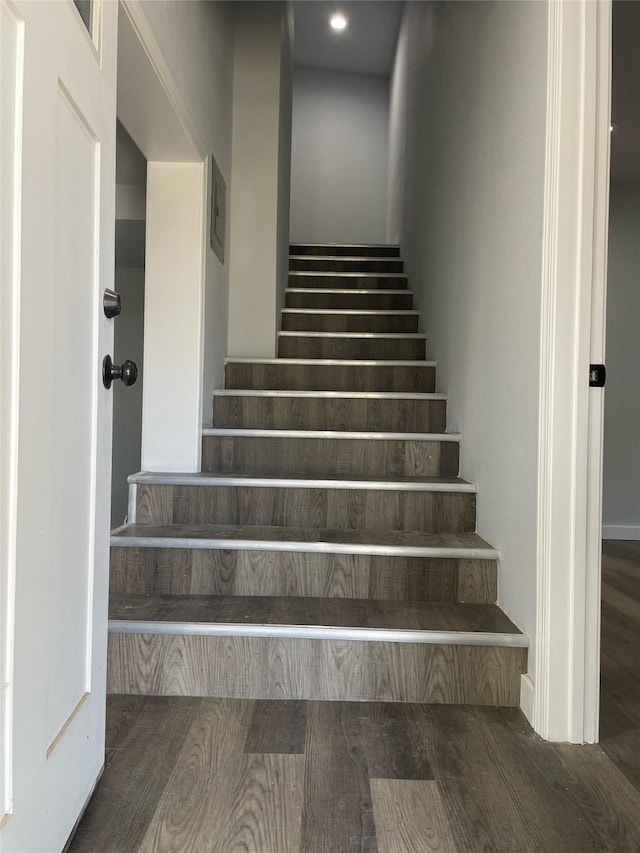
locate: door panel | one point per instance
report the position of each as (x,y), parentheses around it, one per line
(73,518)
(56,649)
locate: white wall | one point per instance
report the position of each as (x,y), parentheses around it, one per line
(196,39)
(339,157)
(621,490)
(173,318)
(474,79)
(260,177)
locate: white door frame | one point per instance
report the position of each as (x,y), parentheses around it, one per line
(565,702)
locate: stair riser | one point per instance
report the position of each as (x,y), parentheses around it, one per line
(400,301)
(394,323)
(348,282)
(198,571)
(345,670)
(348,251)
(323,457)
(346,264)
(433,512)
(409,349)
(326,413)
(329,377)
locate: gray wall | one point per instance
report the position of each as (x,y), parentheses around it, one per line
(621,488)
(131,178)
(197,42)
(259,211)
(339,157)
(127,402)
(471,80)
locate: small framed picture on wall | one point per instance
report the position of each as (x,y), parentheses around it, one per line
(218,210)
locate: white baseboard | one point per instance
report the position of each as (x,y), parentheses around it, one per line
(621,531)
(527,693)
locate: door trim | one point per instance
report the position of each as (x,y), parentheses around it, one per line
(566,670)
(10,243)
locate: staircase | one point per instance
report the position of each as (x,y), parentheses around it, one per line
(328,548)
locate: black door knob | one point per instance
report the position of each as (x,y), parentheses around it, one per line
(127,372)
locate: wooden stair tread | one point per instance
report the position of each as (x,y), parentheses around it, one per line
(360,249)
(263,533)
(283,610)
(305,257)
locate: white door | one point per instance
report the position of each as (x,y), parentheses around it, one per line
(58,171)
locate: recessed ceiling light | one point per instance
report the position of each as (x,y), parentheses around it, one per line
(338,22)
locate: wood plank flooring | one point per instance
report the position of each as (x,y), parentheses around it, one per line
(620,657)
(243,667)
(286,376)
(290,412)
(308,506)
(284,456)
(197,571)
(286,610)
(225,776)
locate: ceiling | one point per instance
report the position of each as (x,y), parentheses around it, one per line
(625,92)
(367,46)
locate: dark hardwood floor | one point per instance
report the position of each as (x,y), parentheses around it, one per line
(187,774)
(620,658)
(243,776)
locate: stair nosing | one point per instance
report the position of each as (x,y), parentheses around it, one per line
(353,435)
(367,312)
(377,312)
(357,290)
(339,395)
(303,547)
(458,485)
(320,632)
(351,245)
(346,362)
(394,336)
(349,273)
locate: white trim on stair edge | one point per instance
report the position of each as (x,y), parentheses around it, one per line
(331,395)
(360,290)
(303,547)
(394,336)
(411,485)
(232,432)
(350,245)
(396,312)
(338,362)
(320,632)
